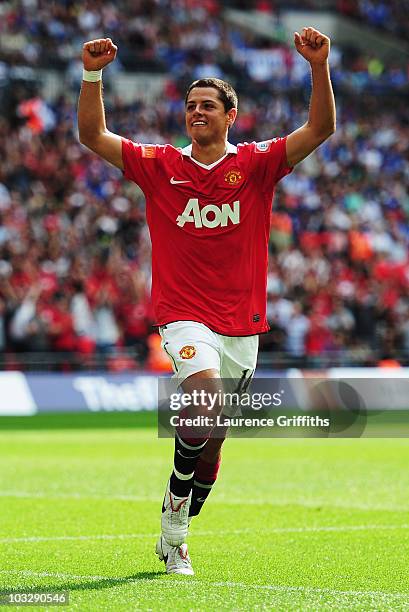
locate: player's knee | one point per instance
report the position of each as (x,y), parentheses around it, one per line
(212,451)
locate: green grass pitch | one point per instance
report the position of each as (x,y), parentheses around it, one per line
(309,524)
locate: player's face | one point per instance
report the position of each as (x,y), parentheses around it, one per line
(206,120)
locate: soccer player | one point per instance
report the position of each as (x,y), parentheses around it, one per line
(208,209)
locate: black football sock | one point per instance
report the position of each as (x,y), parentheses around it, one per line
(187,453)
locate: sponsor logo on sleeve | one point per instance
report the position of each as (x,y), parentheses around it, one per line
(148,151)
(264,147)
(187,352)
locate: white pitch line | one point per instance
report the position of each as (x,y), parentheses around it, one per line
(119,536)
(56,495)
(277,530)
(58,575)
(215,500)
(189,583)
(328,528)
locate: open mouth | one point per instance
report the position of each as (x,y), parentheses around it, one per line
(199,123)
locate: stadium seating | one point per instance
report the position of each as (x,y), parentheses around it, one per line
(74,246)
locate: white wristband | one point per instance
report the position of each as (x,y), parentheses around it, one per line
(92,76)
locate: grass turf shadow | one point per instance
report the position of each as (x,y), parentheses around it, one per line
(88,585)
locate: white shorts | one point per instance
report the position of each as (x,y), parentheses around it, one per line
(193,347)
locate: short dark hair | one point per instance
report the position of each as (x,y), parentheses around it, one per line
(226,92)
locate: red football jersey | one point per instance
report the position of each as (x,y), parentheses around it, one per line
(209,228)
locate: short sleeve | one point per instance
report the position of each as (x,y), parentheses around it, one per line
(269,161)
(140,163)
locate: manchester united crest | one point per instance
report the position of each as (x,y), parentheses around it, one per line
(233,177)
(187,352)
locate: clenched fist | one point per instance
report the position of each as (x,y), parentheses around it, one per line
(97,54)
(312,45)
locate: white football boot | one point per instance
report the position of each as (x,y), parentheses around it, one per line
(175,517)
(176,558)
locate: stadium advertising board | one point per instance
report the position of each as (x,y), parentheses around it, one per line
(15,395)
(28,394)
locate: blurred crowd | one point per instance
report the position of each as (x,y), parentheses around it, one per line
(391,16)
(74,245)
(188,37)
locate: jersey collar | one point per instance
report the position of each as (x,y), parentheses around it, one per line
(188,152)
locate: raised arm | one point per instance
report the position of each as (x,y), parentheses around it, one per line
(93,133)
(314,47)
